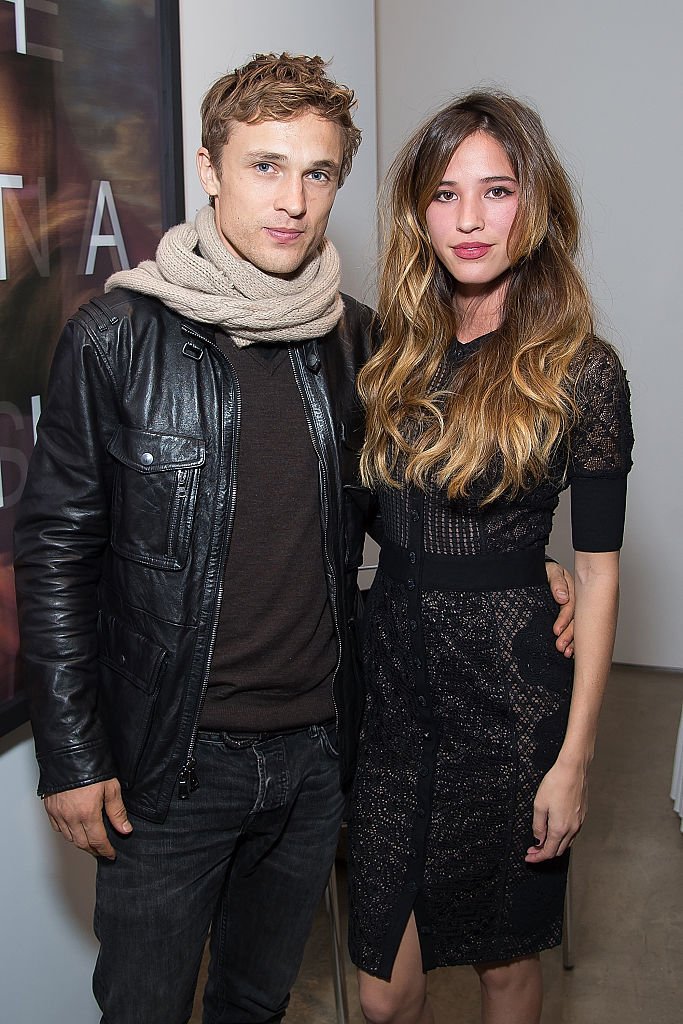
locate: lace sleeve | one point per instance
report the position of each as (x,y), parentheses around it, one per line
(602,439)
(600,453)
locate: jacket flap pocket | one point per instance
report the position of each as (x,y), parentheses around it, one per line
(130,654)
(149,452)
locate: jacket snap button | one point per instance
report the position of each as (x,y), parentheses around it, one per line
(146,458)
(411,584)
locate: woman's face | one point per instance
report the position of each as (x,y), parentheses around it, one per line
(470,217)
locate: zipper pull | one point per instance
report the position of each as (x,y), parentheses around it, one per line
(187,780)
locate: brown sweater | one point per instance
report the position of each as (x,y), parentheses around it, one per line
(276,650)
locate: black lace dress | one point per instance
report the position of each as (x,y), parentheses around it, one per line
(468,701)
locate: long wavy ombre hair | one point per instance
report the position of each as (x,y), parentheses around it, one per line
(515,397)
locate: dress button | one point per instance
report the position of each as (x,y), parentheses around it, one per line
(424,770)
(413,625)
(413,558)
(427,735)
(415,515)
(146,458)
(420,811)
(421,701)
(418,663)
(411,584)
(412,853)
(425,929)
(412,887)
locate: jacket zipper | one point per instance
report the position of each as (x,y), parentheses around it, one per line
(178,505)
(187,778)
(324,477)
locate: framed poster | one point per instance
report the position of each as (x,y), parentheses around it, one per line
(90,177)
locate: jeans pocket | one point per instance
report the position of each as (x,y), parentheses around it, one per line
(328,740)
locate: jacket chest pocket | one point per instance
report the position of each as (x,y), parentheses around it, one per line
(154,495)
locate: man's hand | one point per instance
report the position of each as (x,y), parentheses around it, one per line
(562,586)
(78,815)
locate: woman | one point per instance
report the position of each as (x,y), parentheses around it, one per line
(489,395)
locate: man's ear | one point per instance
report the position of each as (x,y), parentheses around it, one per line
(208,176)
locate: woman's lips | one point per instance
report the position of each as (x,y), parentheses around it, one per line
(471,250)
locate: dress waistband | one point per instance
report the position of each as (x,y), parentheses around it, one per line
(498,571)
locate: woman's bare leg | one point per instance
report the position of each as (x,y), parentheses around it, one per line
(511,993)
(403,999)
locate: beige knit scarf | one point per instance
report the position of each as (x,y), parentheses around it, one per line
(215,287)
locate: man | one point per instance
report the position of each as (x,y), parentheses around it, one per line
(186,560)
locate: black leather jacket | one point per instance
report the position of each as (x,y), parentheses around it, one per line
(124,528)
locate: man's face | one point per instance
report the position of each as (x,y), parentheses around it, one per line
(276,187)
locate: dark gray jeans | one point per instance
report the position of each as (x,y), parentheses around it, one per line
(248,855)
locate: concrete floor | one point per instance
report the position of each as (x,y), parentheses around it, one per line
(628,887)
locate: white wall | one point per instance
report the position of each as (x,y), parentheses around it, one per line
(607,78)
(47,950)
(219,36)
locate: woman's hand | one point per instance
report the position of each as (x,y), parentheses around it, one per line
(559,811)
